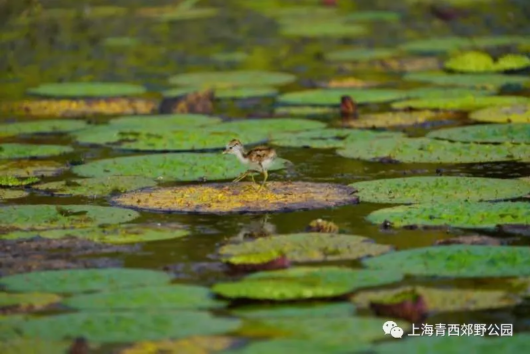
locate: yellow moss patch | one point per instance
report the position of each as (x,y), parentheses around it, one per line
(240,197)
(390,119)
(191,345)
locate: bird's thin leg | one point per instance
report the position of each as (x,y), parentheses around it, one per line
(243,175)
(265,175)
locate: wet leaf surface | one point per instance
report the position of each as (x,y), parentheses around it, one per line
(190,345)
(518,113)
(487,133)
(19,151)
(86,89)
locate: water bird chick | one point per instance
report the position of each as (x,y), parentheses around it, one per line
(323,226)
(348,109)
(258,159)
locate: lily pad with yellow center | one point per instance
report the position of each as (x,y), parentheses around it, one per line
(222,198)
(190,345)
(399,119)
(441,300)
(479,62)
(517,113)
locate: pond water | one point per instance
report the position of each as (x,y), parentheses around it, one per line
(61,47)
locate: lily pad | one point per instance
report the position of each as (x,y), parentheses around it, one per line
(329,138)
(28,301)
(348,82)
(226,79)
(10,181)
(188,14)
(479,62)
(245,92)
(230,57)
(444,189)
(517,113)
(33,346)
(369,16)
(487,133)
(331,97)
(152,298)
(442,300)
(308,247)
(424,150)
(360,54)
(449,92)
(87,89)
(291,346)
(457,261)
(18,151)
(170,167)
(95,187)
(481,215)
(489,81)
(399,119)
(39,127)
(121,42)
(125,327)
(311,310)
(30,168)
(448,44)
(11,194)
(323,28)
(220,198)
(305,111)
(160,121)
(42,217)
(84,280)
(115,234)
(190,345)
(464,103)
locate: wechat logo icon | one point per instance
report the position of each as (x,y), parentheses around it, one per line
(391,327)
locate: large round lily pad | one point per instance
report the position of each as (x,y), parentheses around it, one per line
(491,81)
(152,298)
(487,133)
(167,167)
(309,310)
(440,299)
(46,126)
(399,118)
(331,97)
(457,214)
(169,121)
(83,280)
(239,198)
(232,79)
(517,113)
(360,54)
(31,168)
(424,150)
(463,103)
(479,62)
(17,151)
(95,187)
(42,217)
(87,89)
(457,261)
(303,283)
(447,44)
(439,189)
(189,345)
(12,194)
(28,301)
(113,234)
(124,327)
(307,247)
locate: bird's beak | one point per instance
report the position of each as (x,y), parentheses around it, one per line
(225,152)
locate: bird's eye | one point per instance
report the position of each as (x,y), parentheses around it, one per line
(231,147)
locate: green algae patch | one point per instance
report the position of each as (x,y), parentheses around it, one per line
(292,346)
(112,234)
(320,29)
(517,113)
(243,197)
(457,261)
(360,54)
(308,247)
(440,299)
(87,89)
(448,44)
(151,298)
(487,81)
(479,215)
(19,151)
(331,97)
(463,103)
(399,119)
(305,111)
(95,187)
(486,133)
(480,62)
(11,181)
(160,121)
(170,167)
(303,283)
(298,311)
(424,150)
(83,280)
(126,327)
(238,78)
(42,217)
(29,168)
(189,345)
(27,301)
(443,189)
(33,346)
(328,138)
(41,127)
(12,194)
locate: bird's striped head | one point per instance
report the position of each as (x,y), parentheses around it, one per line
(233,146)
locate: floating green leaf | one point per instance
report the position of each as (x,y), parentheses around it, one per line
(303,283)
(447,44)
(87,89)
(188,345)
(517,113)
(424,150)
(42,217)
(45,126)
(331,97)
(323,28)
(28,300)
(487,133)
(306,111)
(152,298)
(168,121)
(311,310)
(95,187)
(481,215)
(188,14)
(226,79)
(33,346)
(449,92)
(12,194)
(30,168)
(292,346)
(245,92)
(412,189)
(368,16)
(360,54)
(83,280)
(17,151)
(121,42)
(489,81)
(309,247)
(399,118)
(463,103)
(230,57)
(479,62)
